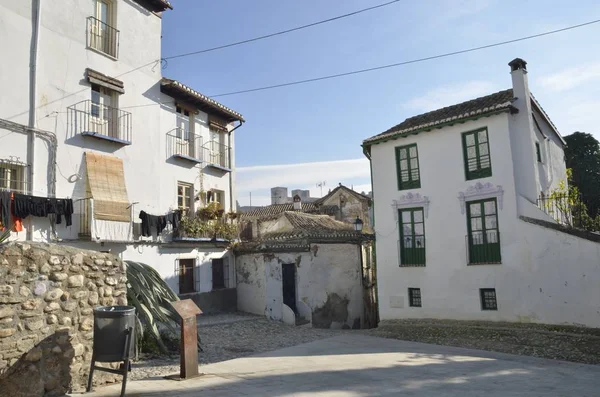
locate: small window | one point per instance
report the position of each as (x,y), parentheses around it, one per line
(538,152)
(407,167)
(186,276)
(185,192)
(484,233)
(476,152)
(488,299)
(414,297)
(12,177)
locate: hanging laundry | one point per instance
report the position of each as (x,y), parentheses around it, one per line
(26,205)
(158,222)
(5,201)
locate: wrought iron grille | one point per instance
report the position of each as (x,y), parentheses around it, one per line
(102,37)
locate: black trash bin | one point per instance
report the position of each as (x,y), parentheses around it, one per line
(114,340)
(111,325)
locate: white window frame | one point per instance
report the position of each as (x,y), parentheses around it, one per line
(189,188)
(12,177)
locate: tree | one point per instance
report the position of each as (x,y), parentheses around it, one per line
(582,155)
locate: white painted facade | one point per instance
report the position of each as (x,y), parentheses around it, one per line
(545,276)
(326,270)
(151,175)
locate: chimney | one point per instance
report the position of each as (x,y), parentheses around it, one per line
(297,203)
(522,133)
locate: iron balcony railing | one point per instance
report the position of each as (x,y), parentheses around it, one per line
(217,154)
(95,119)
(483,247)
(102,37)
(184,144)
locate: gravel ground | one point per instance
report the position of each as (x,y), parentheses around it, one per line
(229,336)
(567,343)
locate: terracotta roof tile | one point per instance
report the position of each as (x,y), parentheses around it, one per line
(276,209)
(311,226)
(494,102)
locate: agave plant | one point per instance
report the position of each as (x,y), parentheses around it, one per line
(151,297)
(4,235)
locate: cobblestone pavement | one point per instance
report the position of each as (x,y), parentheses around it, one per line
(567,343)
(228,336)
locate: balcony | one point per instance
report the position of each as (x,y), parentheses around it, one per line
(102,37)
(93,119)
(483,247)
(216,155)
(182,144)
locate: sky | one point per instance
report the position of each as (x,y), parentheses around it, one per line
(301,135)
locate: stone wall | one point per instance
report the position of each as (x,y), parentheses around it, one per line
(47,296)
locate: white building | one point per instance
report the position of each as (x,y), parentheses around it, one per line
(97,122)
(459,235)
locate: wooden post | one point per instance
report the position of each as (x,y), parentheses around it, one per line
(188,310)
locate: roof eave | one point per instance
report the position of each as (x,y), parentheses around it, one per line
(177,90)
(541,110)
(414,131)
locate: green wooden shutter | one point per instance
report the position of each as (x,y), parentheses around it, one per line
(412,237)
(407,167)
(484,236)
(476,151)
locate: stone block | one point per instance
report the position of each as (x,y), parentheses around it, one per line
(116,294)
(51,307)
(86,325)
(87,311)
(6,332)
(57,350)
(65,261)
(34,355)
(39,288)
(76,281)
(29,314)
(6,290)
(24,291)
(65,297)
(83,304)
(99,283)
(34,325)
(25,344)
(45,269)
(58,276)
(69,306)
(111,281)
(109,301)
(108,263)
(16,271)
(99,262)
(75,269)
(7,320)
(91,286)
(101,292)
(32,268)
(54,260)
(52,319)
(31,304)
(93,299)
(11,354)
(108,291)
(79,350)
(80,294)
(66,321)
(54,295)
(3,364)
(6,312)
(8,300)
(122,301)
(77,259)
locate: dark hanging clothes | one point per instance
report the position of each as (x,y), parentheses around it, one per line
(25,205)
(158,222)
(5,200)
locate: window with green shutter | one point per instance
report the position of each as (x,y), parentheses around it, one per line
(412,237)
(484,236)
(407,167)
(476,149)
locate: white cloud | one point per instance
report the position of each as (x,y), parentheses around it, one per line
(450,95)
(260,179)
(572,77)
(302,174)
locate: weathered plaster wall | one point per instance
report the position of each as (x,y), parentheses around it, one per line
(47,296)
(328,281)
(350,207)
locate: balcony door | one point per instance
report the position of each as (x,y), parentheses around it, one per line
(103,112)
(217,150)
(484,236)
(101,33)
(185,135)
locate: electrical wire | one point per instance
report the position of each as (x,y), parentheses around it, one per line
(429,58)
(280,32)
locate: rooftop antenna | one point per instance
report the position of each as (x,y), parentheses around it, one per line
(321,185)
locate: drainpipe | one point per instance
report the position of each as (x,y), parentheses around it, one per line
(232,170)
(35,30)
